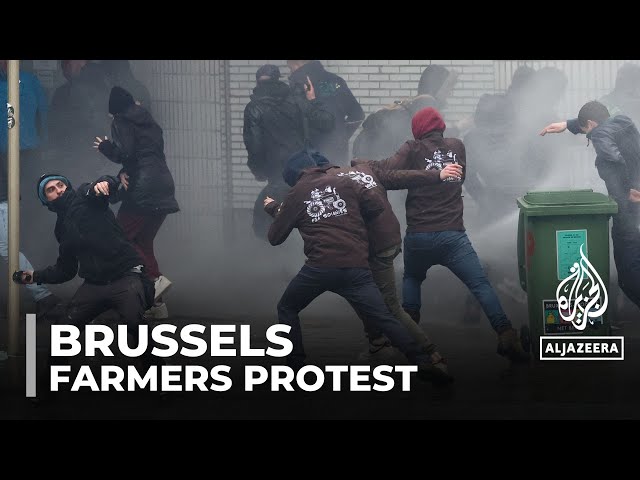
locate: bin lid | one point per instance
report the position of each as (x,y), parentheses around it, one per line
(566,202)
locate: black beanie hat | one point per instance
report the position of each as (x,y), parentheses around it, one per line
(295,164)
(119,100)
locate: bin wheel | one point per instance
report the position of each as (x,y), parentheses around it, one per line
(525,338)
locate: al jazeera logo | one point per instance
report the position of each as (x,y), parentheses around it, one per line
(581,301)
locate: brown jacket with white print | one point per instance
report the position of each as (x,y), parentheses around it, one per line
(432,208)
(330,212)
(384,230)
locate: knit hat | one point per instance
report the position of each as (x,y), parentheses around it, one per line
(425,121)
(296,163)
(119,100)
(268,70)
(46,178)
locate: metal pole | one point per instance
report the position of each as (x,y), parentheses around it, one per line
(13,173)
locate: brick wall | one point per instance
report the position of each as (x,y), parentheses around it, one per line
(373,82)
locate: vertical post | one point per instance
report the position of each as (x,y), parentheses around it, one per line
(228,211)
(13,198)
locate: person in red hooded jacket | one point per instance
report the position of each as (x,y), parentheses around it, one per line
(435,229)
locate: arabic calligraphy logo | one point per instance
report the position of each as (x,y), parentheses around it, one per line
(582,295)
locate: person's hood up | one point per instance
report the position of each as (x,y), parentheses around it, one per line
(425,121)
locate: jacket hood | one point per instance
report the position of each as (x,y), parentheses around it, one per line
(137,115)
(313,69)
(437,81)
(271,91)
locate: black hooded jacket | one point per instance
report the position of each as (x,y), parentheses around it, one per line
(336,95)
(91,242)
(617,145)
(137,143)
(273,127)
(77,115)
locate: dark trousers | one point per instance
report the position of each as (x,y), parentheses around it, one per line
(384,275)
(141,231)
(626,254)
(125,296)
(355,285)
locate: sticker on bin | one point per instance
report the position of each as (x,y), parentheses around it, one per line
(582,347)
(556,321)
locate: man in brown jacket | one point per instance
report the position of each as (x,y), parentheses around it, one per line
(331,213)
(385,239)
(435,228)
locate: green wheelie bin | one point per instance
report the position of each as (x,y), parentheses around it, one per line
(563,244)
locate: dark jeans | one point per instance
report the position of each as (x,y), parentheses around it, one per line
(626,254)
(451,249)
(125,296)
(141,231)
(262,220)
(355,285)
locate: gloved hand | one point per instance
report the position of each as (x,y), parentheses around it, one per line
(106,147)
(22,277)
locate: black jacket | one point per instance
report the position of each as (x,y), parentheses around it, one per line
(617,145)
(273,127)
(335,94)
(76,115)
(91,242)
(137,143)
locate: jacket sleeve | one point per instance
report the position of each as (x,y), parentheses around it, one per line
(65,269)
(617,181)
(611,165)
(253,142)
(101,201)
(319,117)
(462,160)
(371,203)
(354,114)
(573,126)
(286,219)
(403,179)
(398,161)
(123,150)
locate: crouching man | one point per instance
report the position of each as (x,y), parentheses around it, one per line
(93,246)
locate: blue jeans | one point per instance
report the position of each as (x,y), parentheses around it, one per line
(451,249)
(355,285)
(38,292)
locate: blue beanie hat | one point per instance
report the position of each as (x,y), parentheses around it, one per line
(46,178)
(298,162)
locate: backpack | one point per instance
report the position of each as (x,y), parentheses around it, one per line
(384,131)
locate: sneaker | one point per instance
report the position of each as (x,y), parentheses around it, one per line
(161,284)
(510,346)
(159,311)
(435,372)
